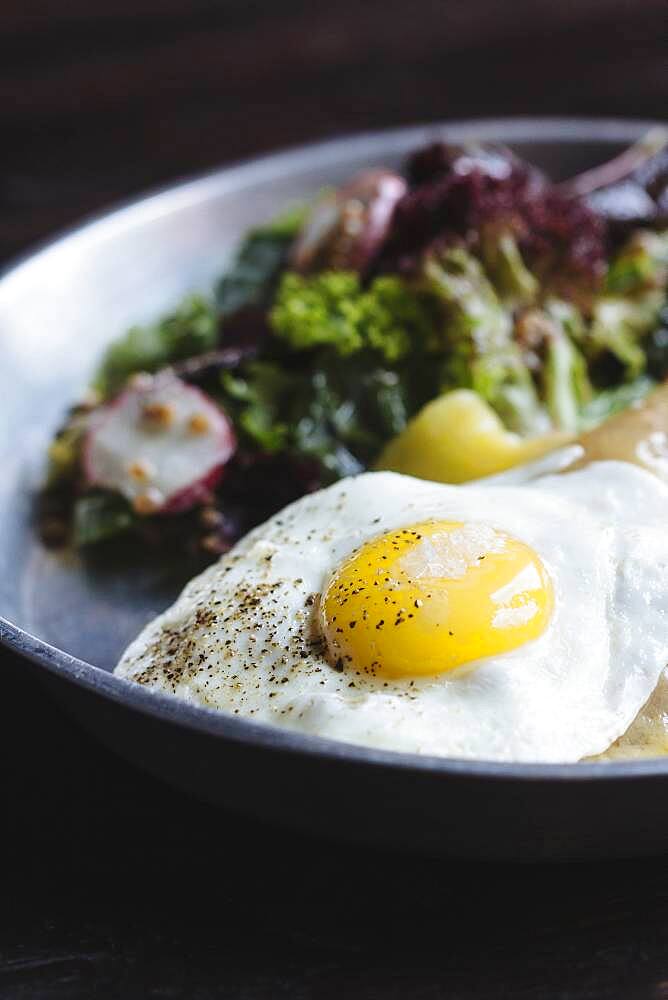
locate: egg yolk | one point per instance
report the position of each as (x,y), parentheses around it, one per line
(432,597)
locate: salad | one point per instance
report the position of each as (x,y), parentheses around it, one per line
(448,321)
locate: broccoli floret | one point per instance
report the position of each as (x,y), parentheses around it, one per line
(332,308)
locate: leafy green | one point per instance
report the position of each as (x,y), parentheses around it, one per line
(656,347)
(250,280)
(287,224)
(65,451)
(477,337)
(263,391)
(335,415)
(625,317)
(567,386)
(387,406)
(607,403)
(512,279)
(474,310)
(327,427)
(641,263)
(332,308)
(191,329)
(350,361)
(100,516)
(619,325)
(569,318)
(563,376)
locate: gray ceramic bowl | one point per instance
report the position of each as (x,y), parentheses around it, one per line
(58,309)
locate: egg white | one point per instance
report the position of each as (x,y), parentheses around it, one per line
(243,636)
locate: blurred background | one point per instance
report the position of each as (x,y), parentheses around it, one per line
(107,869)
(101,100)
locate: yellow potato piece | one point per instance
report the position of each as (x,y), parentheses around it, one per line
(458,437)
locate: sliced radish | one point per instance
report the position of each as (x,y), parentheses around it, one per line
(161,443)
(346,228)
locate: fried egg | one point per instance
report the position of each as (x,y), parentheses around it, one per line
(489,621)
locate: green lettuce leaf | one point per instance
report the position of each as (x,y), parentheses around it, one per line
(191,329)
(477,337)
(251,278)
(101,516)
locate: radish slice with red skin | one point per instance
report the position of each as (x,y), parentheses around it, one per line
(161,443)
(346,228)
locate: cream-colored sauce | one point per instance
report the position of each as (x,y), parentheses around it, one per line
(647,736)
(638,435)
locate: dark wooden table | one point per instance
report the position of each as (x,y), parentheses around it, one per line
(113,885)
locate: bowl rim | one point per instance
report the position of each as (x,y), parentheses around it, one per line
(213,722)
